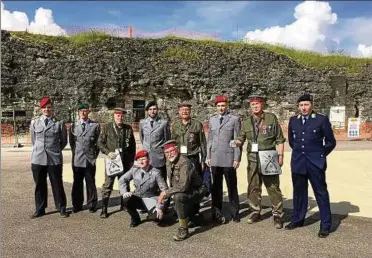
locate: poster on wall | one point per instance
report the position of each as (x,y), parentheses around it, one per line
(353,127)
(337,117)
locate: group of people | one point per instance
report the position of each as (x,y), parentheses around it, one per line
(175,160)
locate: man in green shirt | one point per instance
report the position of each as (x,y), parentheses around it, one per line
(262,132)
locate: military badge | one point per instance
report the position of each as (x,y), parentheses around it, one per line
(191,137)
(313,115)
(299,116)
(264,129)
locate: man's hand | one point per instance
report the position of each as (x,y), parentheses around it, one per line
(159,213)
(161,197)
(202,166)
(127,194)
(208,162)
(238,143)
(236,164)
(112,155)
(280,159)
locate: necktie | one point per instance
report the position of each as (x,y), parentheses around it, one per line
(152,124)
(46,121)
(304,118)
(83,126)
(221,118)
(143,174)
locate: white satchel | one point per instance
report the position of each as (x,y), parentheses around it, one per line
(269,162)
(115,166)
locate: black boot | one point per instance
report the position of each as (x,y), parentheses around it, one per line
(104,213)
(122,207)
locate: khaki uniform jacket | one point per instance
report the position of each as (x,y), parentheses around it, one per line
(112,137)
(191,135)
(182,176)
(47,141)
(270,134)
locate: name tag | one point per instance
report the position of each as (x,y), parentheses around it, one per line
(183,149)
(254,147)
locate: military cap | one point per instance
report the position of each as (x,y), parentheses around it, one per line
(141,154)
(151,104)
(219,99)
(305,97)
(184,104)
(119,111)
(45,101)
(82,106)
(255,98)
(169,144)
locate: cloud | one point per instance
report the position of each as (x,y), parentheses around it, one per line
(308,32)
(364,51)
(219,11)
(358,30)
(115,13)
(42,24)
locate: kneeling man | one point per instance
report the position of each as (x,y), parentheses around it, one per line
(148,183)
(186,187)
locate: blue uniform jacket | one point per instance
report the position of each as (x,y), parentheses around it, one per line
(311,142)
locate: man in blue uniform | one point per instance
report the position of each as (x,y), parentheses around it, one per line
(311,138)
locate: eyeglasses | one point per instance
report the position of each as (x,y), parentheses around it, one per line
(170,151)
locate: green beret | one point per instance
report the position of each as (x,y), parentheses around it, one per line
(82,106)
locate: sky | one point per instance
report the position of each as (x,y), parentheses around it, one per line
(334,26)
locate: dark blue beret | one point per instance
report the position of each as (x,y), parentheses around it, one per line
(305,97)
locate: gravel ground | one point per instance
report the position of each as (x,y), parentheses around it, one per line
(86,235)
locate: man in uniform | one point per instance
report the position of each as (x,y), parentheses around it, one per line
(116,136)
(223,159)
(49,138)
(190,136)
(262,132)
(153,132)
(185,187)
(311,138)
(148,183)
(83,138)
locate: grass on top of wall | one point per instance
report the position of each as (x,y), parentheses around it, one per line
(307,58)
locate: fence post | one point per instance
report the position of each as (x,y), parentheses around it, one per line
(130,31)
(16,143)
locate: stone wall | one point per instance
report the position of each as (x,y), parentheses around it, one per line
(117,70)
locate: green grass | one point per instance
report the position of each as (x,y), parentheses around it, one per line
(306,58)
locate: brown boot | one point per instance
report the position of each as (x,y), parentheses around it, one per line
(182,234)
(255,217)
(278,223)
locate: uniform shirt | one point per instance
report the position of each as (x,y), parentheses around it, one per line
(270,132)
(182,176)
(190,135)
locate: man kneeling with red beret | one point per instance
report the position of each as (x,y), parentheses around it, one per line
(148,183)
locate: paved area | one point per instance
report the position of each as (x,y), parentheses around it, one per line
(86,235)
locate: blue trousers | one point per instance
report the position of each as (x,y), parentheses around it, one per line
(317,180)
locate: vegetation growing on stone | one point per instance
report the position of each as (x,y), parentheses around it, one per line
(185,51)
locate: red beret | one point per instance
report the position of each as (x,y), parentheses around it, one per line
(44,101)
(141,154)
(120,111)
(255,99)
(169,144)
(219,99)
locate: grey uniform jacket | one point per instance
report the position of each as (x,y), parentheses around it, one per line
(153,137)
(84,145)
(47,141)
(218,145)
(146,187)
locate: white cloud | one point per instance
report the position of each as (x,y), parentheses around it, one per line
(219,11)
(42,24)
(308,32)
(364,51)
(358,30)
(115,13)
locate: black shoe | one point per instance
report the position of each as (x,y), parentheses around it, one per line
(104,214)
(134,222)
(92,209)
(323,233)
(278,223)
(76,210)
(37,215)
(219,218)
(236,218)
(255,217)
(292,226)
(196,220)
(64,214)
(182,234)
